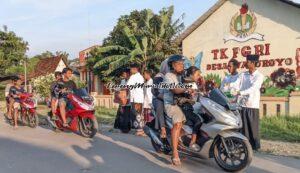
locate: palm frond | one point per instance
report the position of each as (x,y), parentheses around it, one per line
(109,59)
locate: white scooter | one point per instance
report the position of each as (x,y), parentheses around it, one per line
(218,137)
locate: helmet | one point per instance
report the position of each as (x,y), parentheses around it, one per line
(174,58)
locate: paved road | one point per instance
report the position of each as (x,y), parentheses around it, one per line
(43,151)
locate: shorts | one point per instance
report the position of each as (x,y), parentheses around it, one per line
(16,105)
(175,112)
(65,101)
(62,101)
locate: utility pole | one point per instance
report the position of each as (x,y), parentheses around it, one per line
(25,73)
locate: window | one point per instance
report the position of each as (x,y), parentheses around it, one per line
(264,109)
(278,110)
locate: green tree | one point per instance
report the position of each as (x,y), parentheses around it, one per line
(142,37)
(12,50)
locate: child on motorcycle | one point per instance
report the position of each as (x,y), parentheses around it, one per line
(186,102)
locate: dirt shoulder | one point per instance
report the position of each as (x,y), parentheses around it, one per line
(280,148)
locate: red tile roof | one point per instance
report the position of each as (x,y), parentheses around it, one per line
(46,66)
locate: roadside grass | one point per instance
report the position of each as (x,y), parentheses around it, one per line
(106,115)
(280,128)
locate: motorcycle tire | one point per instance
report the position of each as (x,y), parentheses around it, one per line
(247,151)
(90,131)
(24,119)
(33,120)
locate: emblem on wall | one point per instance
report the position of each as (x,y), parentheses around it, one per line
(243,25)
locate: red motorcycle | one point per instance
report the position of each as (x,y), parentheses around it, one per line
(28,114)
(80,114)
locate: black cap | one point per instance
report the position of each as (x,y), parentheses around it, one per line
(134,65)
(254,58)
(174,58)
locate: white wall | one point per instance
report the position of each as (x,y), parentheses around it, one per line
(61,66)
(279,22)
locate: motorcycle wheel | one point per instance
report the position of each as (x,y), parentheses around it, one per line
(33,120)
(88,127)
(24,119)
(239,158)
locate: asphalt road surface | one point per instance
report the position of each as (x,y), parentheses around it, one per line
(41,150)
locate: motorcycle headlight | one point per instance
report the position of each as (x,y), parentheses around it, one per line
(231,120)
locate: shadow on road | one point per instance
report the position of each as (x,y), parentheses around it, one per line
(115,156)
(20,157)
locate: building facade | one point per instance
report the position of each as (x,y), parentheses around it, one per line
(235,28)
(94,84)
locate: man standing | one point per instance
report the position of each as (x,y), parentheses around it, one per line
(148,96)
(137,97)
(15,92)
(249,97)
(231,77)
(54,94)
(176,66)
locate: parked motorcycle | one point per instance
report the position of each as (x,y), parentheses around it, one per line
(218,137)
(28,114)
(80,114)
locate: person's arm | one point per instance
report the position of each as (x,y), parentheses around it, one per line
(256,85)
(170,80)
(236,85)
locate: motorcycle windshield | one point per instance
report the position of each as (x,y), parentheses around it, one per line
(217,96)
(81,92)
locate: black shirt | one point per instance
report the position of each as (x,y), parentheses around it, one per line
(70,85)
(14,92)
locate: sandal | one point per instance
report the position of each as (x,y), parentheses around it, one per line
(176,161)
(163,135)
(65,125)
(141,133)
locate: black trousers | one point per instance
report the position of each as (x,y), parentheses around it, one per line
(250,129)
(192,119)
(159,110)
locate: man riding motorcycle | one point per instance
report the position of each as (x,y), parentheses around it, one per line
(68,85)
(176,65)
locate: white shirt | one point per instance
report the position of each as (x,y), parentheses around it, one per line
(136,94)
(249,87)
(148,94)
(229,79)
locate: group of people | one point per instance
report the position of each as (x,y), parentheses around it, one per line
(135,104)
(61,84)
(177,103)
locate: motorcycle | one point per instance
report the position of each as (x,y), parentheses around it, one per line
(218,137)
(80,114)
(28,114)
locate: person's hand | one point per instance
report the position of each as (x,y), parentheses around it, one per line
(235,92)
(190,91)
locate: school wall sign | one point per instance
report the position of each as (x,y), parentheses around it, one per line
(233,29)
(263,50)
